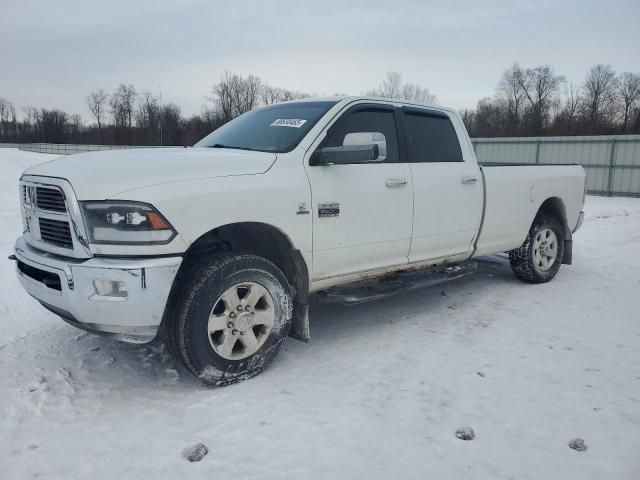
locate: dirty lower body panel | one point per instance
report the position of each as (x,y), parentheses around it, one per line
(403,282)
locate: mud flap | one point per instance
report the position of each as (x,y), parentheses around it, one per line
(300,323)
(567,257)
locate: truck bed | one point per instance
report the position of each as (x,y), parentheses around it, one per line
(515,192)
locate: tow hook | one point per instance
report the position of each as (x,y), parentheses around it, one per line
(12,257)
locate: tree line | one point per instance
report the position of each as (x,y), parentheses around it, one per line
(533,101)
(537,101)
(128,116)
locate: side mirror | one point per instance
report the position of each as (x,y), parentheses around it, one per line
(345,154)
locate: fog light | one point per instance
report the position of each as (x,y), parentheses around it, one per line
(110,288)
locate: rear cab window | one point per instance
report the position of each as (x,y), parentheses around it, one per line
(430,137)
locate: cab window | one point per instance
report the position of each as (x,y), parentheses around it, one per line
(366,126)
(431,138)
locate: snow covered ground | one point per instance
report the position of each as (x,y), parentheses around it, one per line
(379,393)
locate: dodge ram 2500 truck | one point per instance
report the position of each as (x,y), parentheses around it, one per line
(219,246)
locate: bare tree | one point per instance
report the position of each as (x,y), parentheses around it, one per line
(148,118)
(600,91)
(246,94)
(234,95)
(75,126)
(629,91)
(97,102)
(491,118)
(468,118)
(540,85)
(172,124)
(415,93)
(572,104)
(53,125)
(270,95)
(148,110)
(28,125)
(511,90)
(7,111)
(392,86)
(123,104)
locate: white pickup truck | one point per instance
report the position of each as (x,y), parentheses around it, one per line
(219,246)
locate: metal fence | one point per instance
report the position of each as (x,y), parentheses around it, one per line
(67,148)
(612,163)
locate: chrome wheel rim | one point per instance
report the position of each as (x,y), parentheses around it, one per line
(241,320)
(545,249)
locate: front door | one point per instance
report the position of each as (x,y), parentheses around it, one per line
(362,212)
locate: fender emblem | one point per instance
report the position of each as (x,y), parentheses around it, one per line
(302,209)
(328,209)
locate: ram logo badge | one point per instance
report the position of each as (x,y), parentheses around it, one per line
(328,209)
(302,209)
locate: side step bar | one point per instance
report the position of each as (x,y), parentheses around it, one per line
(403,282)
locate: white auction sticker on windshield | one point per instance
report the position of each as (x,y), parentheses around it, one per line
(288,122)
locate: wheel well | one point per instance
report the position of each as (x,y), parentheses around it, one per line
(254,238)
(248,237)
(554,207)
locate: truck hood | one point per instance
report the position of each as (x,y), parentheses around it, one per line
(101,175)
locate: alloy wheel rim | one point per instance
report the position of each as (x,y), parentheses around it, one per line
(241,320)
(545,249)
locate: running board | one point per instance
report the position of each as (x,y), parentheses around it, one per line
(403,282)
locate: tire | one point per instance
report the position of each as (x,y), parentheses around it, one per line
(540,256)
(224,339)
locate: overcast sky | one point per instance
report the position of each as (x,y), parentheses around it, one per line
(52,53)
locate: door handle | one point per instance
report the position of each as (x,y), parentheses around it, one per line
(468,180)
(396,182)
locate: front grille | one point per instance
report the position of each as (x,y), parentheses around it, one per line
(50,217)
(56,232)
(50,199)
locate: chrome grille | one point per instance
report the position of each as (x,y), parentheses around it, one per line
(56,232)
(51,217)
(50,199)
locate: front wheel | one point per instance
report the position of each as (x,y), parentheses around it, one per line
(234,314)
(540,256)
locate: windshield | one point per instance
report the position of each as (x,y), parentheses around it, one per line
(275,128)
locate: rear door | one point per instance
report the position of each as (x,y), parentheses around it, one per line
(362,212)
(447,185)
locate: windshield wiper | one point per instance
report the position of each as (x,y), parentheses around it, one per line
(219,145)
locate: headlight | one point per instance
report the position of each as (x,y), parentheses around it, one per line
(122,222)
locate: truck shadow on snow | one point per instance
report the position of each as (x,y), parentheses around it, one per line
(434,305)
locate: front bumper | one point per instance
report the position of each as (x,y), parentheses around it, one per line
(134,317)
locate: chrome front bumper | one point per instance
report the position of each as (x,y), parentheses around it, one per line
(134,317)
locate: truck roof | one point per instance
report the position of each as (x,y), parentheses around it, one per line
(354,98)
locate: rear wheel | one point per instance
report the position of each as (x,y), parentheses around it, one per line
(540,256)
(232,318)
